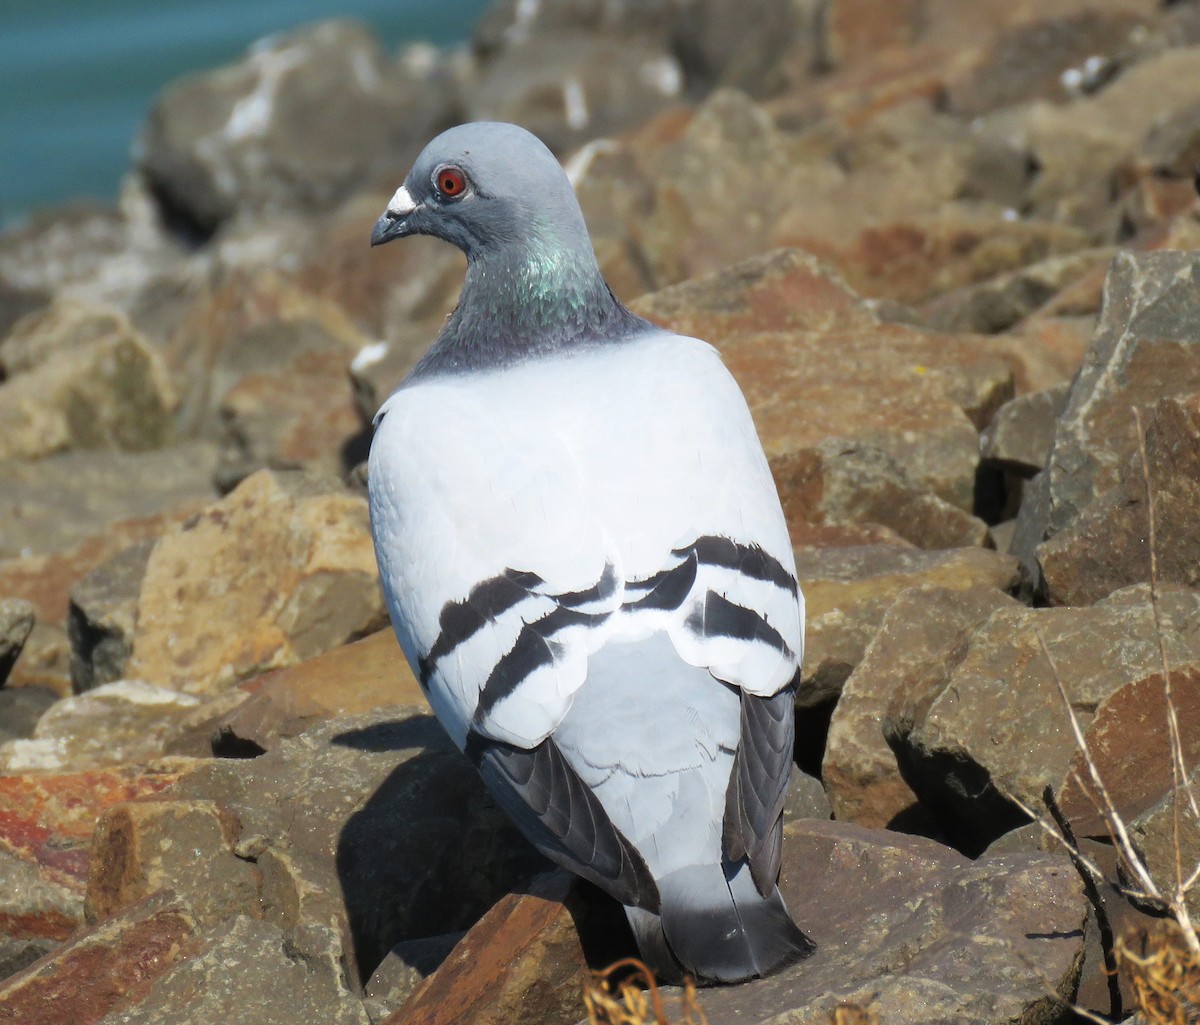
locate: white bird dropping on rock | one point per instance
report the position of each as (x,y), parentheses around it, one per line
(586,563)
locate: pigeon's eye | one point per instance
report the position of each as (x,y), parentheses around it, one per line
(450,182)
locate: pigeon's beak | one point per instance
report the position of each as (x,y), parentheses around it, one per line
(394,222)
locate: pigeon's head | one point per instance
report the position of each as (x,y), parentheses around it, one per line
(482,187)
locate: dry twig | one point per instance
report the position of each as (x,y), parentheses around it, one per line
(628,1003)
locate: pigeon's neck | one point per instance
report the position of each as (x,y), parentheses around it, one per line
(526,300)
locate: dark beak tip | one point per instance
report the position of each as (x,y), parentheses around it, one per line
(386,229)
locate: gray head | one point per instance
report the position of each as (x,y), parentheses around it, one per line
(484,186)
(533,286)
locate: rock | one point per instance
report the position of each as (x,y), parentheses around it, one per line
(1021,433)
(914,260)
(301,417)
(1106,547)
(20,709)
(34,906)
(999,303)
(64,326)
(18,954)
(1141,353)
(910,931)
(46,825)
(998,727)
(815,364)
(522,961)
(1126,742)
(46,581)
(762,48)
(363,831)
(102,616)
(806,798)
(1167,838)
(848,590)
(93,253)
(568,87)
(111,394)
(256,322)
(348,680)
(850,483)
(106,969)
(58,502)
(1045,351)
(115,723)
(912,654)
(279,570)
(1043,58)
(141,847)
(402,970)
(301,121)
(16,621)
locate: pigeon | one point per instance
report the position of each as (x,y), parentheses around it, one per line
(587,566)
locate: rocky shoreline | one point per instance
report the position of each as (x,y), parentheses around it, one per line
(951,254)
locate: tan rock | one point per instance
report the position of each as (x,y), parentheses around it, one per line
(279,570)
(110,394)
(347,680)
(998,726)
(914,649)
(847,591)
(815,363)
(143,846)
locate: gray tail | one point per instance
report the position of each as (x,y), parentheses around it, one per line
(716,926)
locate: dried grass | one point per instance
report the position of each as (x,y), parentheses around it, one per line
(625,993)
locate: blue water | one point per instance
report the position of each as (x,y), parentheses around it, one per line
(78,76)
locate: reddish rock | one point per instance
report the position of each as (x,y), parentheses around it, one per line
(348,680)
(521,961)
(105,970)
(49,818)
(1127,738)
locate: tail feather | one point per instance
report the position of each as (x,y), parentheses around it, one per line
(715,925)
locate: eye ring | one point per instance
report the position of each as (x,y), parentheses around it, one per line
(450,181)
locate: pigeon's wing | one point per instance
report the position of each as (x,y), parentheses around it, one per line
(557,812)
(758,785)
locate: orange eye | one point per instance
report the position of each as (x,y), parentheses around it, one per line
(450,182)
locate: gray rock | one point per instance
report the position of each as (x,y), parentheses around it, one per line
(997,726)
(366,831)
(1021,433)
(402,970)
(1154,836)
(1107,546)
(20,710)
(572,86)
(16,621)
(18,954)
(1144,350)
(54,503)
(248,971)
(102,616)
(996,305)
(306,117)
(111,725)
(806,798)
(911,931)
